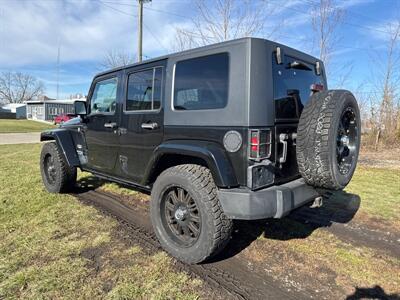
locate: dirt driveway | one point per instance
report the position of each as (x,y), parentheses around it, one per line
(254,267)
(19,138)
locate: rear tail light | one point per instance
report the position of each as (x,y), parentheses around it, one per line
(316,87)
(259,144)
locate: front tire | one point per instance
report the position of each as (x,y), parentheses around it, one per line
(186,214)
(57,176)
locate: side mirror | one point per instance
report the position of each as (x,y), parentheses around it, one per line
(80,108)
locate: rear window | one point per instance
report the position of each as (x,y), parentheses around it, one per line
(202,83)
(292,86)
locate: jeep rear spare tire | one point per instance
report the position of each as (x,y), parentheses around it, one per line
(328,139)
(186,214)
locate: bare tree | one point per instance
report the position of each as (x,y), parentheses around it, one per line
(114,59)
(326,18)
(387,82)
(223,20)
(16,87)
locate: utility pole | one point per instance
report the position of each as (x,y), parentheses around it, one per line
(140,28)
(58,69)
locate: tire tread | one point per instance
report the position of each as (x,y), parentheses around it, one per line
(313,149)
(66,174)
(202,178)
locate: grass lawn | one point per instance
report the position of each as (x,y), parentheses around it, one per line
(379,190)
(324,260)
(52,246)
(15,126)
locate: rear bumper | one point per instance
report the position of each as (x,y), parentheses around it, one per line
(272,202)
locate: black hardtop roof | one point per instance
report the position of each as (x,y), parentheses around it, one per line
(208,47)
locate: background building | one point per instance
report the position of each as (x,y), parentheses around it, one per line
(13,111)
(48,110)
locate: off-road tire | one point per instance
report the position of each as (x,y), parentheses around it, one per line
(317,139)
(65,176)
(216,228)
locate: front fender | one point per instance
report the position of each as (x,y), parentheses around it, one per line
(212,153)
(65,143)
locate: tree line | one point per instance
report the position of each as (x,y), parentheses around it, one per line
(230,19)
(17,87)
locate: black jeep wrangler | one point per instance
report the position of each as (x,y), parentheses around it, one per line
(245,129)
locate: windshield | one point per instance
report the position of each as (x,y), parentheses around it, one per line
(292,81)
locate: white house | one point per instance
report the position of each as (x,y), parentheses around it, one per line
(49,109)
(19,109)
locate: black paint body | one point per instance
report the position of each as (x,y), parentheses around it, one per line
(132,155)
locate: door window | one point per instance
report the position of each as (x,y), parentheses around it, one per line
(104,99)
(144,90)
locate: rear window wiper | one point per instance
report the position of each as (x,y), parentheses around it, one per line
(298,65)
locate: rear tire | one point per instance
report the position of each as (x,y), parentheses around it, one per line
(57,176)
(208,229)
(328,139)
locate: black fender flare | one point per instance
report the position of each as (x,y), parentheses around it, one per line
(212,153)
(65,142)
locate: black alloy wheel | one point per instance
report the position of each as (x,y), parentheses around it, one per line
(186,214)
(57,175)
(181,216)
(347,138)
(49,169)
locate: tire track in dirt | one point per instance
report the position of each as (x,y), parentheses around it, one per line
(336,218)
(231,275)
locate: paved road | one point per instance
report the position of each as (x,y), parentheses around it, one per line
(19,138)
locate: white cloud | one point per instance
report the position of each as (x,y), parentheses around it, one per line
(382,31)
(344,4)
(30,31)
(87,29)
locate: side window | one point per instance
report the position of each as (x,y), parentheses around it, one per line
(144,90)
(104,98)
(202,83)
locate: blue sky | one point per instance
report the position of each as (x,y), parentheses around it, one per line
(86,30)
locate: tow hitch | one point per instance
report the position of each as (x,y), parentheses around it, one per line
(283,139)
(317,202)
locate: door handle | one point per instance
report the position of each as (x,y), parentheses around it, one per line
(110,125)
(150,126)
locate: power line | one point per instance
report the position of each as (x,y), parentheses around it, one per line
(353,13)
(196,35)
(282,35)
(151,9)
(123,12)
(339,45)
(344,22)
(155,38)
(115,9)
